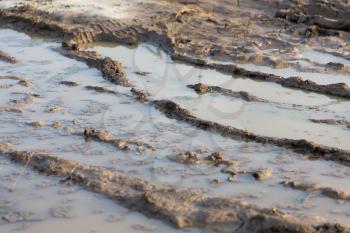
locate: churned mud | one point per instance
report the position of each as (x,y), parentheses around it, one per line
(142,101)
(178,207)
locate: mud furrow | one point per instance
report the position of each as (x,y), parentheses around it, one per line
(178,207)
(302,146)
(173,110)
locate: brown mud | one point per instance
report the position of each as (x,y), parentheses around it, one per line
(309,149)
(325,191)
(111,69)
(161,30)
(173,110)
(201,88)
(332,122)
(107,137)
(331,15)
(233,33)
(175,206)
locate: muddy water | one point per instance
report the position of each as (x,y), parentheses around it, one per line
(166,79)
(43,204)
(74,108)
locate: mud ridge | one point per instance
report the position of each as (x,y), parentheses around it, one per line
(332,122)
(201,88)
(324,191)
(107,137)
(177,207)
(337,89)
(216,159)
(111,70)
(307,148)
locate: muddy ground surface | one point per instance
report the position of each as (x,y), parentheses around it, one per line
(175,116)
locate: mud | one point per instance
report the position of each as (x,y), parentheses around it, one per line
(77,35)
(324,14)
(337,89)
(123,144)
(175,206)
(69,83)
(309,149)
(332,122)
(202,89)
(325,191)
(213,35)
(7,58)
(111,70)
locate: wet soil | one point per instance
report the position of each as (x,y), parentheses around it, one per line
(176,206)
(299,47)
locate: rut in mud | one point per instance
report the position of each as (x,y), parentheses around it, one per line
(178,207)
(214,126)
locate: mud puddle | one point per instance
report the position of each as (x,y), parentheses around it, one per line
(62,108)
(151,69)
(57,207)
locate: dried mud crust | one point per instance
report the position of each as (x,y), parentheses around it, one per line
(175,206)
(309,149)
(161,30)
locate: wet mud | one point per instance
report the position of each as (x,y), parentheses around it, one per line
(325,191)
(76,36)
(7,58)
(111,70)
(178,207)
(107,137)
(277,38)
(309,149)
(202,89)
(345,123)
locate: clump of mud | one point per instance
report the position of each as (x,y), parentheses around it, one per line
(69,83)
(107,137)
(111,70)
